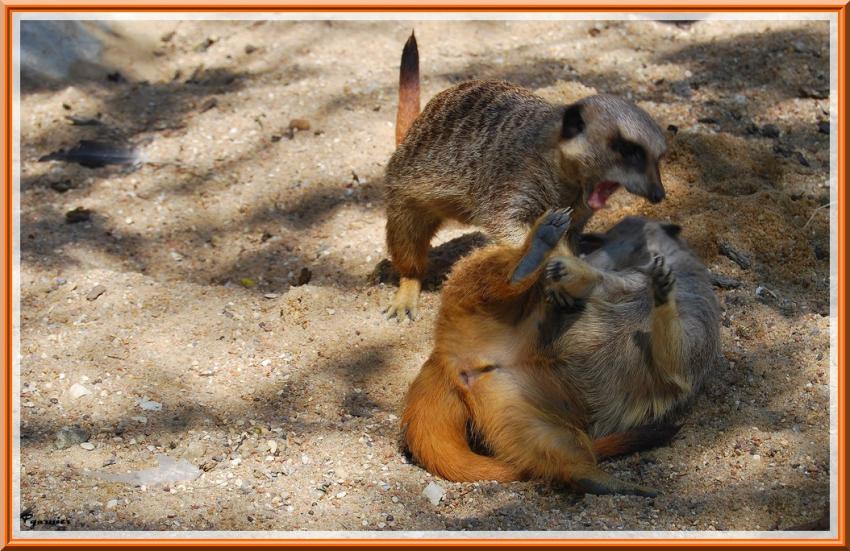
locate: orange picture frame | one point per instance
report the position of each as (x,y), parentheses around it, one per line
(837,7)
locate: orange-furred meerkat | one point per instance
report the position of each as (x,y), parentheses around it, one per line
(496,156)
(550,389)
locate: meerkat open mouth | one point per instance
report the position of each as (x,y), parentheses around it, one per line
(601,193)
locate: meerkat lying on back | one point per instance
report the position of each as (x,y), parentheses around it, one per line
(494,155)
(548,388)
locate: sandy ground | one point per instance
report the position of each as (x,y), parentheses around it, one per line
(288,396)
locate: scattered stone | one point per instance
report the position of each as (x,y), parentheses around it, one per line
(783,150)
(247,282)
(79,214)
(168,36)
(207,105)
(110,461)
(303,278)
(78,391)
(69,436)
(434,492)
(770,131)
(83,121)
(96,291)
(112,504)
(682,89)
(87,446)
(764,292)
(732,254)
(724,282)
(813,93)
(802,159)
(276,137)
(299,124)
(61,186)
(250,49)
(271,295)
(272,447)
(205,45)
(149,405)
(823,127)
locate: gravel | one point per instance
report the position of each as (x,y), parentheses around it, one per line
(177,327)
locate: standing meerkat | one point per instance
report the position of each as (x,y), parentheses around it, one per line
(550,386)
(494,155)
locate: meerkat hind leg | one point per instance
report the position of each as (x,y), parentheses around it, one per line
(668,339)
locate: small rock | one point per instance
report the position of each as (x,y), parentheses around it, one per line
(167,36)
(434,492)
(770,131)
(61,186)
(271,295)
(783,150)
(802,159)
(250,49)
(303,278)
(207,105)
(341,494)
(78,391)
(823,127)
(799,46)
(96,291)
(813,93)
(299,124)
(204,46)
(79,214)
(149,405)
(87,446)
(112,504)
(724,282)
(272,446)
(682,89)
(68,436)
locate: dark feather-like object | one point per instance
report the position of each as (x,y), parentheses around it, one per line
(94,154)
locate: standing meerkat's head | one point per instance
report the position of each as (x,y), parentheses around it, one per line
(614,143)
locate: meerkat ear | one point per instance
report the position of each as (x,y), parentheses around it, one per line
(573,122)
(673,230)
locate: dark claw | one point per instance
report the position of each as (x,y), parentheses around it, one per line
(555,270)
(662,280)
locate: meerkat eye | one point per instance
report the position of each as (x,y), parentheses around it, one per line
(632,153)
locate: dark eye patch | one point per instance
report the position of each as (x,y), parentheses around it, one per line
(633,154)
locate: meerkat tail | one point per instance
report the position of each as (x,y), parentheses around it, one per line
(633,440)
(434,426)
(408,89)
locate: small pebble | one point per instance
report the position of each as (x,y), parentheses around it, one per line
(299,124)
(68,436)
(87,446)
(79,214)
(96,291)
(78,391)
(434,492)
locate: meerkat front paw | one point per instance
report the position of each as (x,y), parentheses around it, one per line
(662,280)
(547,233)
